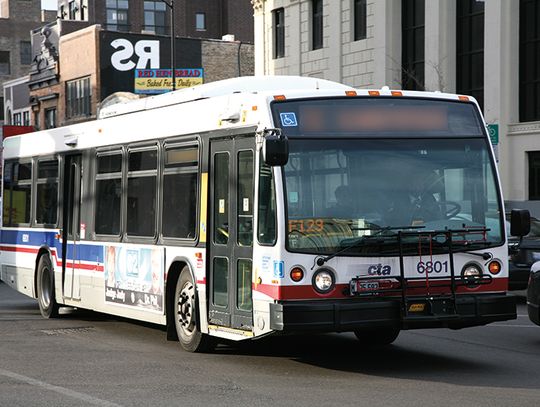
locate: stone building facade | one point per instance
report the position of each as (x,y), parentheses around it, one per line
(487,49)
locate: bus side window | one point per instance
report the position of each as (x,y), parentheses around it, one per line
(17,193)
(142,193)
(6,193)
(108,193)
(266,228)
(180,191)
(47,192)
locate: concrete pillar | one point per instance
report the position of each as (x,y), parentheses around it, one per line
(501,89)
(335,57)
(440,40)
(387,43)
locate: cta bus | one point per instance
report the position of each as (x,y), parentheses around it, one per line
(264,205)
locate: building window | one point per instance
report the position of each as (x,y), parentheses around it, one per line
(317,24)
(26,118)
(17,119)
(78,96)
(117,15)
(50,118)
(72,10)
(4,8)
(529,61)
(155,17)
(200,21)
(534,175)
(4,63)
(412,58)
(26,52)
(470,49)
(279,33)
(360,20)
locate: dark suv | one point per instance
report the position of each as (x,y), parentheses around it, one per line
(522,256)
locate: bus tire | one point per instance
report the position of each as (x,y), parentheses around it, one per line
(377,337)
(45,288)
(186,316)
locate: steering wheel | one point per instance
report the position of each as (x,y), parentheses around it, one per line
(436,209)
(449,208)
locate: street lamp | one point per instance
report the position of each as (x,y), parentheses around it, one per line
(170,4)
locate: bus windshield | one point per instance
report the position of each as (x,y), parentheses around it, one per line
(338,190)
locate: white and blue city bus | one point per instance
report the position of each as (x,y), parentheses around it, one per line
(264,205)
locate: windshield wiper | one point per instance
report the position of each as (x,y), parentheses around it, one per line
(357,242)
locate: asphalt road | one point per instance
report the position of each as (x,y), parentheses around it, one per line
(85,359)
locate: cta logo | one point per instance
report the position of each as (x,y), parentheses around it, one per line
(379,270)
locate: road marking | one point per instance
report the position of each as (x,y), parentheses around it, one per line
(515,326)
(62,390)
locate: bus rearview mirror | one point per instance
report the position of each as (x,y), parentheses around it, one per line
(275,150)
(520,222)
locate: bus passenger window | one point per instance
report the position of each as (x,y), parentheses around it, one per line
(17,193)
(141,189)
(47,193)
(108,194)
(180,192)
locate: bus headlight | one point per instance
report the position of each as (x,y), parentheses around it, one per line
(323,281)
(470,273)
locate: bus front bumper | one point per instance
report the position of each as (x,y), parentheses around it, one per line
(356,314)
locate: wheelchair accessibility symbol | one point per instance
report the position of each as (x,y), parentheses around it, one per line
(288,119)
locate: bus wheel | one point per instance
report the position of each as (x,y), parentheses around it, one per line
(185,320)
(45,288)
(377,337)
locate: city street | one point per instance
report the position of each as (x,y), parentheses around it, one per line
(85,358)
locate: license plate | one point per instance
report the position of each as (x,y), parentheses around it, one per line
(364,287)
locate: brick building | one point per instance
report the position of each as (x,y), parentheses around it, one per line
(199,19)
(75,72)
(17,19)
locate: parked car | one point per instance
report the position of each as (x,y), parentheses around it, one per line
(533,294)
(523,256)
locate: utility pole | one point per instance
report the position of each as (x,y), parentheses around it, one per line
(170,4)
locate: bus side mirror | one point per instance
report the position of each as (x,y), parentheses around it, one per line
(275,149)
(520,222)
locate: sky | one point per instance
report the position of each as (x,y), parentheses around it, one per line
(49,4)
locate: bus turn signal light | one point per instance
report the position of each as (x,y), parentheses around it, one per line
(494,267)
(297,274)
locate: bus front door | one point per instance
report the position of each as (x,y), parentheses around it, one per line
(71,226)
(230,241)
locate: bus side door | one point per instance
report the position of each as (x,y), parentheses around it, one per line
(230,243)
(71,226)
